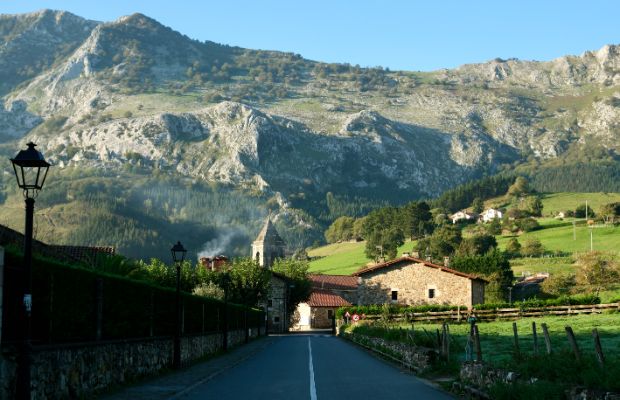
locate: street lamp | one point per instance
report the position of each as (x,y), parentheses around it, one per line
(178,255)
(30,170)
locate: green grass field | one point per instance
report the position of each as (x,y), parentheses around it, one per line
(556,202)
(565,201)
(560,236)
(557,236)
(496,338)
(344,258)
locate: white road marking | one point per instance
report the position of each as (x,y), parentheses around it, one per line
(312,385)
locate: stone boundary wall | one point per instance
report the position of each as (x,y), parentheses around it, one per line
(482,376)
(81,370)
(412,357)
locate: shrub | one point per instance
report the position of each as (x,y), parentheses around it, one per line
(559,284)
(532,248)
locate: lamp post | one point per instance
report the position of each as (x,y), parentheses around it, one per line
(30,170)
(178,255)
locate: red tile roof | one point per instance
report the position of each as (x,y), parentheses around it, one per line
(338,282)
(417,261)
(322,298)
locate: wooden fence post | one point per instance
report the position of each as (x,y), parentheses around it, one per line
(597,346)
(446,341)
(98,308)
(573,342)
(535,337)
(477,343)
(547,338)
(516,339)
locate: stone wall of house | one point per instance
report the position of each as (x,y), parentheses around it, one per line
(349,295)
(320,317)
(277,320)
(413,282)
(82,370)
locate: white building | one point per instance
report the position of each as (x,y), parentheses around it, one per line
(490,214)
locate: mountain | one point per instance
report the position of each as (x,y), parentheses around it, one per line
(137,112)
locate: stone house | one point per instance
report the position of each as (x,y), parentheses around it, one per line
(410,281)
(328,293)
(490,214)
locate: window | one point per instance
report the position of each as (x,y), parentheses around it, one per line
(269,303)
(276,319)
(258,257)
(330,314)
(394,295)
(431,293)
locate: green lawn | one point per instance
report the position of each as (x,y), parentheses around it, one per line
(344,258)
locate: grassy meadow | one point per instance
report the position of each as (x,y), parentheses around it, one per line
(557,236)
(497,341)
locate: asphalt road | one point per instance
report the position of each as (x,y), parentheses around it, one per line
(314,367)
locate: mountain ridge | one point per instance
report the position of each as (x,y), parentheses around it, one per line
(135,97)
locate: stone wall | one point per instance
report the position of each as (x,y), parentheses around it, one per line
(482,376)
(413,281)
(416,358)
(82,370)
(320,317)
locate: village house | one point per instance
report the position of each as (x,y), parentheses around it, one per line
(328,293)
(462,216)
(490,214)
(411,281)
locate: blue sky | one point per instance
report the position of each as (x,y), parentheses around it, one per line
(407,35)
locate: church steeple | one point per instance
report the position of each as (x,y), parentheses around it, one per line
(268,245)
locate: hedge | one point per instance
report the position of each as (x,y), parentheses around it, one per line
(64,299)
(395,309)
(587,299)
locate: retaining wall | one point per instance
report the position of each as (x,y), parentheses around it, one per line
(82,370)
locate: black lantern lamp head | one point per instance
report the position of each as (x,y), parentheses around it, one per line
(30,170)
(178,252)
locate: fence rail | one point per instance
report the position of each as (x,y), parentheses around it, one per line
(502,313)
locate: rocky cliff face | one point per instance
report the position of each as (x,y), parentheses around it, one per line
(133,92)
